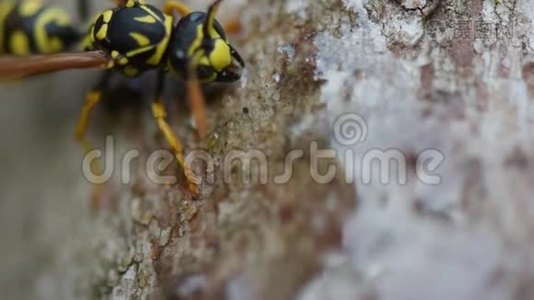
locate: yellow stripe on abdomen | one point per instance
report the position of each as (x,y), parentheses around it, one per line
(19,43)
(29,8)
(45,43)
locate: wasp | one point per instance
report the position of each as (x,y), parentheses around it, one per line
(135,37)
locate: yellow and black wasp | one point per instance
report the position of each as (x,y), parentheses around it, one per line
(137,37)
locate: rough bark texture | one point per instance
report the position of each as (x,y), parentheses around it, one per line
(454,77)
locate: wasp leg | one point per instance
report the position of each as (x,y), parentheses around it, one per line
(91,101)
(159,112)
(197,104)
(127,3)
(176,6)
(120,3)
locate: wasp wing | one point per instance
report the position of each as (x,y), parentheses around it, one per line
(13,67)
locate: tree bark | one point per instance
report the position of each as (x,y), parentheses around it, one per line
(408,82)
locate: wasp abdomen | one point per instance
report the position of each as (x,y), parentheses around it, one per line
(29,27)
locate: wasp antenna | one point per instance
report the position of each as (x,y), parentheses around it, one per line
(210,18)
